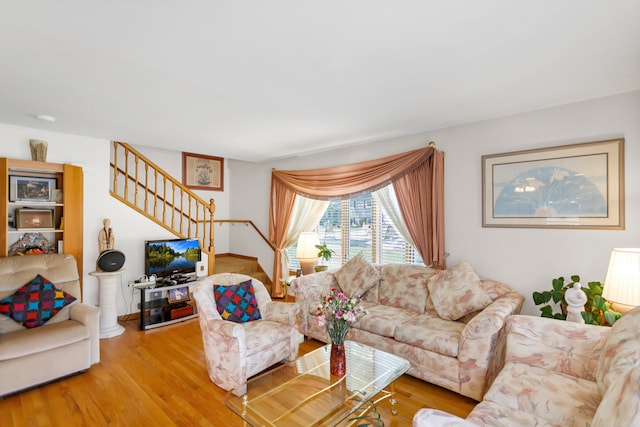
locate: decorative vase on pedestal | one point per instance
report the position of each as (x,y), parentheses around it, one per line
(337,360)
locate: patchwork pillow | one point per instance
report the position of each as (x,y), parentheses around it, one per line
(357,276)
(237,303)
(35,303)
(457,292)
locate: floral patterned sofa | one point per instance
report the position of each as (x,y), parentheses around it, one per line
(560,374)
(446,323)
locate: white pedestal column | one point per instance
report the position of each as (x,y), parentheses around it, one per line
(108,281)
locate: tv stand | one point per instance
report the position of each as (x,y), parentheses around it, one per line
(156,310)
(176,279)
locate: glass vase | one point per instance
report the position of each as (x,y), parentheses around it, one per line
(338,360)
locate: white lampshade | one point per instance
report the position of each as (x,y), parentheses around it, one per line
(622,284)
(307,242)
(306,252)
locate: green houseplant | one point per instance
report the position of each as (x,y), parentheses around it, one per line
(324,253)
(597,309)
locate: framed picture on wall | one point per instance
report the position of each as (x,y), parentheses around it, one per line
(202,172)
(571,186)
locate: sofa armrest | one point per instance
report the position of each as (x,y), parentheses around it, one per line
(435,418)
(89,315)
(311,286)
(477,355)
(282,312)
(561,346)
(307,290)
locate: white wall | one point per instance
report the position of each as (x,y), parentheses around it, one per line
(527,259)
(131,229)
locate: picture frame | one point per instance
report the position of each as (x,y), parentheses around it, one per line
(571,186)
(202,172)
(177,295)
(32,219)
(31,188)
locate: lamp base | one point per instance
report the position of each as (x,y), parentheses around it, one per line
(307,265)
(621,308)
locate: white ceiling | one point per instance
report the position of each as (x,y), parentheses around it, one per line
(256,80)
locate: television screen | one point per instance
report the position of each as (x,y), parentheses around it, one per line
(168,257)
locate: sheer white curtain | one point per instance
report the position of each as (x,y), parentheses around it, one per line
(305,216)
(386,197)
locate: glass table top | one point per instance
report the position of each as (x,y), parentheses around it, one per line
(304,393)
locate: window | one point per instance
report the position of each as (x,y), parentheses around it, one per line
(358,224)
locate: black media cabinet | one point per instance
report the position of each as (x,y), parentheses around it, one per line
(156,310)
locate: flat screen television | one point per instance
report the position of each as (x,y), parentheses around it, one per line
(170,257)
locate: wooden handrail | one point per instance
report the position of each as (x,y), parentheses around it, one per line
(184,225)
(246,222)
(162,199)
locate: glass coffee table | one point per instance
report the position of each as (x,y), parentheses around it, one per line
(304,393)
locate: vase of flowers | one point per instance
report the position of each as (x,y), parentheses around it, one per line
(337,312)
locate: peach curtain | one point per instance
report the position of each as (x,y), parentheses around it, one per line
(345,180)
(420,194)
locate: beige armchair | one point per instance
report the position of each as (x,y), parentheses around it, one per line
(68,343)
(236,351)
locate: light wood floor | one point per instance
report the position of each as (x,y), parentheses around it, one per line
(159,378)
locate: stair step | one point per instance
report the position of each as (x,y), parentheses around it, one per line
(242,265)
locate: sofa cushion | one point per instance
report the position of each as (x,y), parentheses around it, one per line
(404,286)
(621,351)
(457,291)
(383,320)
(237,303)
(35,303)
(42,339)
(431,333)
(558,398)
(357,276)
(493,414)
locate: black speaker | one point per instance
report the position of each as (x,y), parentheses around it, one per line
(110,260)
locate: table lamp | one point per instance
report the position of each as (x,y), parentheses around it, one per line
(306,252)
(622,283)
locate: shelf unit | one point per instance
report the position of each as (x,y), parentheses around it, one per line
(67,226)
(155,308)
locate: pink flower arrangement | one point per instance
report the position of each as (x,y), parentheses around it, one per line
(337,312)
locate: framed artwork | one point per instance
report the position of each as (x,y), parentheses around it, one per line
(30,188)
(202,172)
(571,186)
(178,295)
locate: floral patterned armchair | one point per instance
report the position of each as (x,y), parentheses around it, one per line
(559,373)
(234,351)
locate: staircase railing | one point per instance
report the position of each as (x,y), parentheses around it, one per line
(142,185)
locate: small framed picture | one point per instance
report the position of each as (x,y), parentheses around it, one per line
(203,172)
(34,219)
(30,188)
(178,295)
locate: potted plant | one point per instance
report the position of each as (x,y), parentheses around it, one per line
(324,253)
(597,309)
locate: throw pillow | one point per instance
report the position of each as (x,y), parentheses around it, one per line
(357,276)
(35,303)
(457,292)
(237,303)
